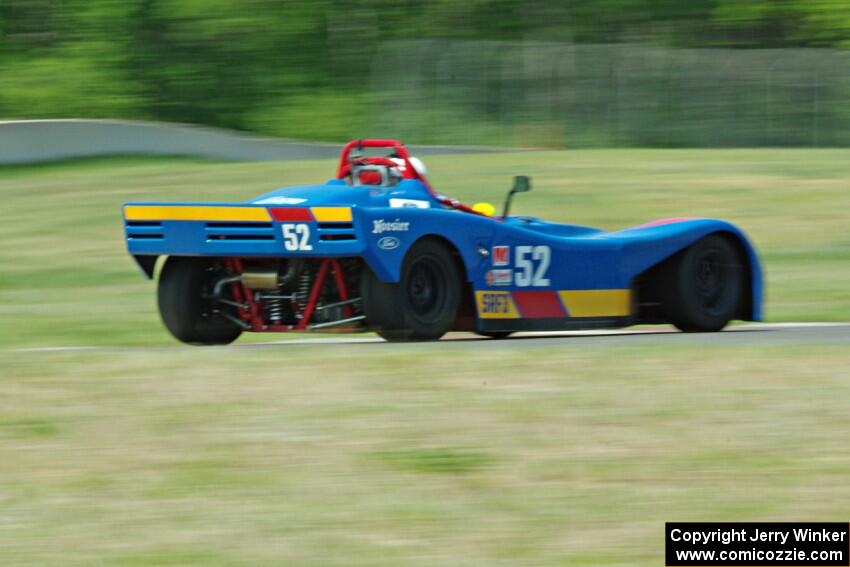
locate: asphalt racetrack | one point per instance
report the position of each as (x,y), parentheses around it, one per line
(756,334)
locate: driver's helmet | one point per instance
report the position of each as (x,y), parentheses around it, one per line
(383,175)
(395,172)
(417,164)
(370,175)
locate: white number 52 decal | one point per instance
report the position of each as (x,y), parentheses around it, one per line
(532,263)
(296,237)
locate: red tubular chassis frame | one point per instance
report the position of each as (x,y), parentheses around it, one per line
(250,310)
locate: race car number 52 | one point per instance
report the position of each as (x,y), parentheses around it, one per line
(296,237)
(532,263)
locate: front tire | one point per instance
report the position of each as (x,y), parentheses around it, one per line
(704,286)
(185,313)
(423,305)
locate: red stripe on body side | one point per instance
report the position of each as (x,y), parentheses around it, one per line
(300,214)
(538,304)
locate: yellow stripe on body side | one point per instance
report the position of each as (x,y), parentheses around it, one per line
(495,305)
(331,214)
(597,302)
(195,213)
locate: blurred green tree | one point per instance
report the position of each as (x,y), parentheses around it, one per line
(303,68)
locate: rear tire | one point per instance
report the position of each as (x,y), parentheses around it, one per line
(186,315)
(423,305)
(704,286)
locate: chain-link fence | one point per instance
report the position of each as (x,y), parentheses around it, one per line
(560,95)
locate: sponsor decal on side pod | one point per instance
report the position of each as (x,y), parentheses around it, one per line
(499,277)
(501,255)
(388,243)
(380,226)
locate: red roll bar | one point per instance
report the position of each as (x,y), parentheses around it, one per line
(409,172)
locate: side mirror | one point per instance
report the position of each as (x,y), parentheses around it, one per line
(522,184)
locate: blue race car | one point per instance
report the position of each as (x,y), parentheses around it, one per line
(376,248)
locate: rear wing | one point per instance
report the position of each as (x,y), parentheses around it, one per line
(226,229)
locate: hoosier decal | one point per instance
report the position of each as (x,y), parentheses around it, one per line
(380,226)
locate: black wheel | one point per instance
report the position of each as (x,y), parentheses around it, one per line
(494,334)
(704,286)
(186,314)
(423,305)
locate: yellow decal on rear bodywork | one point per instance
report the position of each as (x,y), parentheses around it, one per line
(195,213)
(332,214)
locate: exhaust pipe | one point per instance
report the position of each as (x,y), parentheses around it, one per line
(252,279)
(259,279)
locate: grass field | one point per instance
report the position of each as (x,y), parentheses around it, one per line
(67,280)
(359,455)
(327,455)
